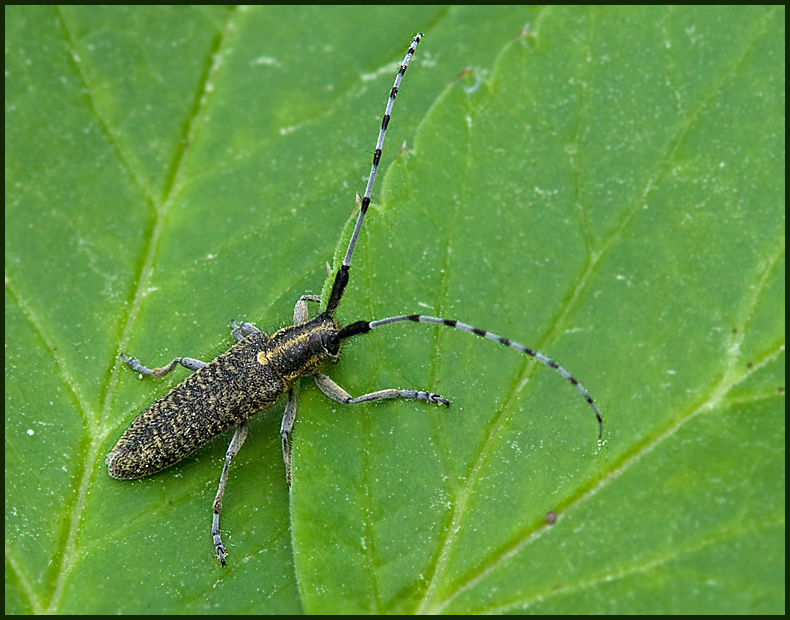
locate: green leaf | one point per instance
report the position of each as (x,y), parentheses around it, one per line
(606,186)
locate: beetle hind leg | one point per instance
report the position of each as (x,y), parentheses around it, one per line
(233,449)
(186,362)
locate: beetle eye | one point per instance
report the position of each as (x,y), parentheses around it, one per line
(331,343)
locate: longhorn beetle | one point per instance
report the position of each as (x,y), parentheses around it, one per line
(259,369)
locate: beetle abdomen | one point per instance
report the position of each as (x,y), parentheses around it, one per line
(228,391)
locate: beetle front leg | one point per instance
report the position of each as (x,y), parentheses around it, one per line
(337,393)
(301,314)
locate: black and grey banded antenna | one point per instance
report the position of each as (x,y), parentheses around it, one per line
(363,327)
(341,279)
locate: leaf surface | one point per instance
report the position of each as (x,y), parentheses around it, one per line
(606,187)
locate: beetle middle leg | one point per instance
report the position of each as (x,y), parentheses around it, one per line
(301,315)
(289,417)
(243,329)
